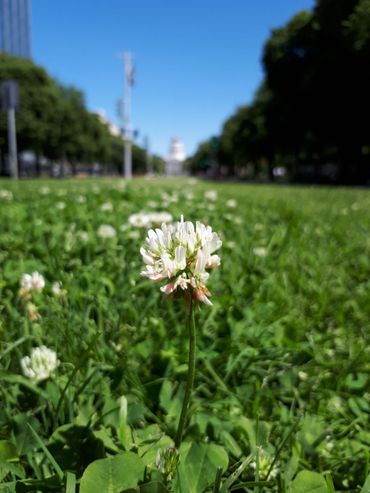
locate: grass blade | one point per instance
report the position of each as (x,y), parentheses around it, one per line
(53,462)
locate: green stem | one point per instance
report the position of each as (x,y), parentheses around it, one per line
(190,323)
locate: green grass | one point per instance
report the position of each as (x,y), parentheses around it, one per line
(283,355)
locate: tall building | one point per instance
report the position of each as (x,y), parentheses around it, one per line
(15,36)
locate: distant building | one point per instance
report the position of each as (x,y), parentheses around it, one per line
(176,158)
(15,34)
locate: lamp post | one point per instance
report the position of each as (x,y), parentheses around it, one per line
(128,81)
(9,103)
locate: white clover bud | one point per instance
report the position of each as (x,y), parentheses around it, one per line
(181,253)
(231,203)
(60,205)
(211,195)
(147,220)
(107,207)
(260,251)
(302,375)
(106,231)
(264,463)
(166,461)
(139,220)
(81,199)
(6,195)
(40,364)
(83,236)
(57,289)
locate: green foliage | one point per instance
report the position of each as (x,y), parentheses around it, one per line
(290,301)
(113,474)
(303,118)
(308,482)
(198,466)
(53,121)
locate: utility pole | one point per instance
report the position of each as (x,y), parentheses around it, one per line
(128,81)
(12,139)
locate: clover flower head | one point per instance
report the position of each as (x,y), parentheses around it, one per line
(182,253)
(81,199)
(107,207)
(166,461)
(6,194)
(57,289)
(149,219)
(31,283)
(60,205)
(106,231)
(264,464)
(211,195)
(260,251)
(40,364)
(231,203)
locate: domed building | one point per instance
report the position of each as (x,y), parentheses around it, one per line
(176,158)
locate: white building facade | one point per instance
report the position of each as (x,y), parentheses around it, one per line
(176,158)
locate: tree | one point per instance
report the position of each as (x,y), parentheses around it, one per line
(314,100)
(53,121)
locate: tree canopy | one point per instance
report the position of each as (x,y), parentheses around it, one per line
(53,121)
(313,104)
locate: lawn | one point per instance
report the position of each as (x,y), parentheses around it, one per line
(281,400)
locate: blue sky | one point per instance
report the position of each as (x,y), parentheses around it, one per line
(196,60)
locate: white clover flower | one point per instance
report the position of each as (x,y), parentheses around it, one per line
(182,253)
(302,375)
(211,195)
(139,220)
(231,203)
(134,235)
(106,231)
(6,195)
(45,190)
(60,205)
(152,204)
(57,289)
(107,207)
(81,199)
(260,251)
(82,236)
(238,220)
(157,218)
(31,283)
(168,198)
(40,364)
(147,220)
